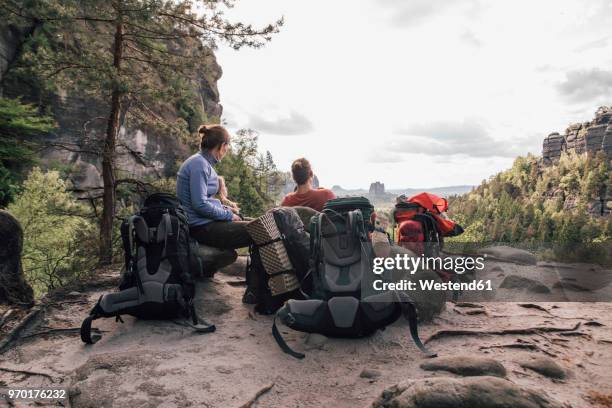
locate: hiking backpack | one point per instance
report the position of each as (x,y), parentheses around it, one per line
(160,266)
(341,260)
(278,259)
(421,223)
(344,204)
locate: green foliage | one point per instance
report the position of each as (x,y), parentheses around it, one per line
(252,179)
(165,53)
(531,203)
(58,232)
(19,123)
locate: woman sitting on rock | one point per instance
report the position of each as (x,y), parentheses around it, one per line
(210,221)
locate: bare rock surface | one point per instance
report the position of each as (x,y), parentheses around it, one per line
(466,365)
(543,365)
(13,287)
(160,364)
(481,392)
(521,282)
(509,254)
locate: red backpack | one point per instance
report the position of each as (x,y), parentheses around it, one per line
(422,223)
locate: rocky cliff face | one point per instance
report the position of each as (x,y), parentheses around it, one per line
(588,137)
(143,151)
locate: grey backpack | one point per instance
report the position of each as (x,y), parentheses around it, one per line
(159,269)
(341,261)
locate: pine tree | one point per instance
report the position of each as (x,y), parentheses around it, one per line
(18,124)
(135,56)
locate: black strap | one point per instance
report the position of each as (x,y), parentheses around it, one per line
(200,325)
(86,330)
(410,313)
(282,343)
(269,242)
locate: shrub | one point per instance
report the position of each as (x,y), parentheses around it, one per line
(59,235)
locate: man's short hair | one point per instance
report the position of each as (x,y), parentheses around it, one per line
(301,170)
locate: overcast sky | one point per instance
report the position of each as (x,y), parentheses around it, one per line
(416,93)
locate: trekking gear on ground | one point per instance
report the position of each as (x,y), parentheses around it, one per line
(344,204)
(159,269)
(341,258)
(422,223)
(278,259)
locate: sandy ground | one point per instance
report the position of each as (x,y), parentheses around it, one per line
(161,364)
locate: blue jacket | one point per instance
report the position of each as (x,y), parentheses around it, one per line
(196,183)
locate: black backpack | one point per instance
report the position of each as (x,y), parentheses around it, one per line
(341,261)
(278,259)
(160,266)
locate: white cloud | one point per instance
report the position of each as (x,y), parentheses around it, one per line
(359,69)
(586,85)
(292,124)
(468,138)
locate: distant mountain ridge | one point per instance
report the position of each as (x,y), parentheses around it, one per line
(441,191)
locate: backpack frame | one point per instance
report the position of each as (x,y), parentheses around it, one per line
(157,282)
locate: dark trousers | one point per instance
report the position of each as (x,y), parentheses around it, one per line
(223,234)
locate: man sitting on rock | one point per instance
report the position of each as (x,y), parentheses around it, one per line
(306,200)
(305,195)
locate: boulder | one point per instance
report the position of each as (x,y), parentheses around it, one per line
(237,268)
(214,259)
(445,392)
(370,373)
(13,287)
(466,366)
(543,365)
(509,254)
(520,282)
(314,341)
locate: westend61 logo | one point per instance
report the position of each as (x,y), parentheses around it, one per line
(385,268)
(412,264)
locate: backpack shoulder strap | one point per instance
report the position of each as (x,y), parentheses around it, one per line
(410,313)
(282,343)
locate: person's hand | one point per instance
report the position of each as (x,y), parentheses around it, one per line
(236,218)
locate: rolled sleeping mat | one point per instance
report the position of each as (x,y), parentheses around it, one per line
(273,254)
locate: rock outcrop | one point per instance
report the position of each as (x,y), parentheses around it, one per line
(142,150)
(483,392)
(13,287)
(377,188)
(588,137)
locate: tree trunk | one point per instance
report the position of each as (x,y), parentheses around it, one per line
(108,156)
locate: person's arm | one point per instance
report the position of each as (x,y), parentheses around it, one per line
(203,205)
(330,195)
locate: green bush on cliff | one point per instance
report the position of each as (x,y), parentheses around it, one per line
(18,124)
(59,234)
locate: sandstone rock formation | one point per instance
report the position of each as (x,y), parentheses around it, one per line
(13,287)
(483,392)
(588,137)
(143,151)
(467,366)
(377,188)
